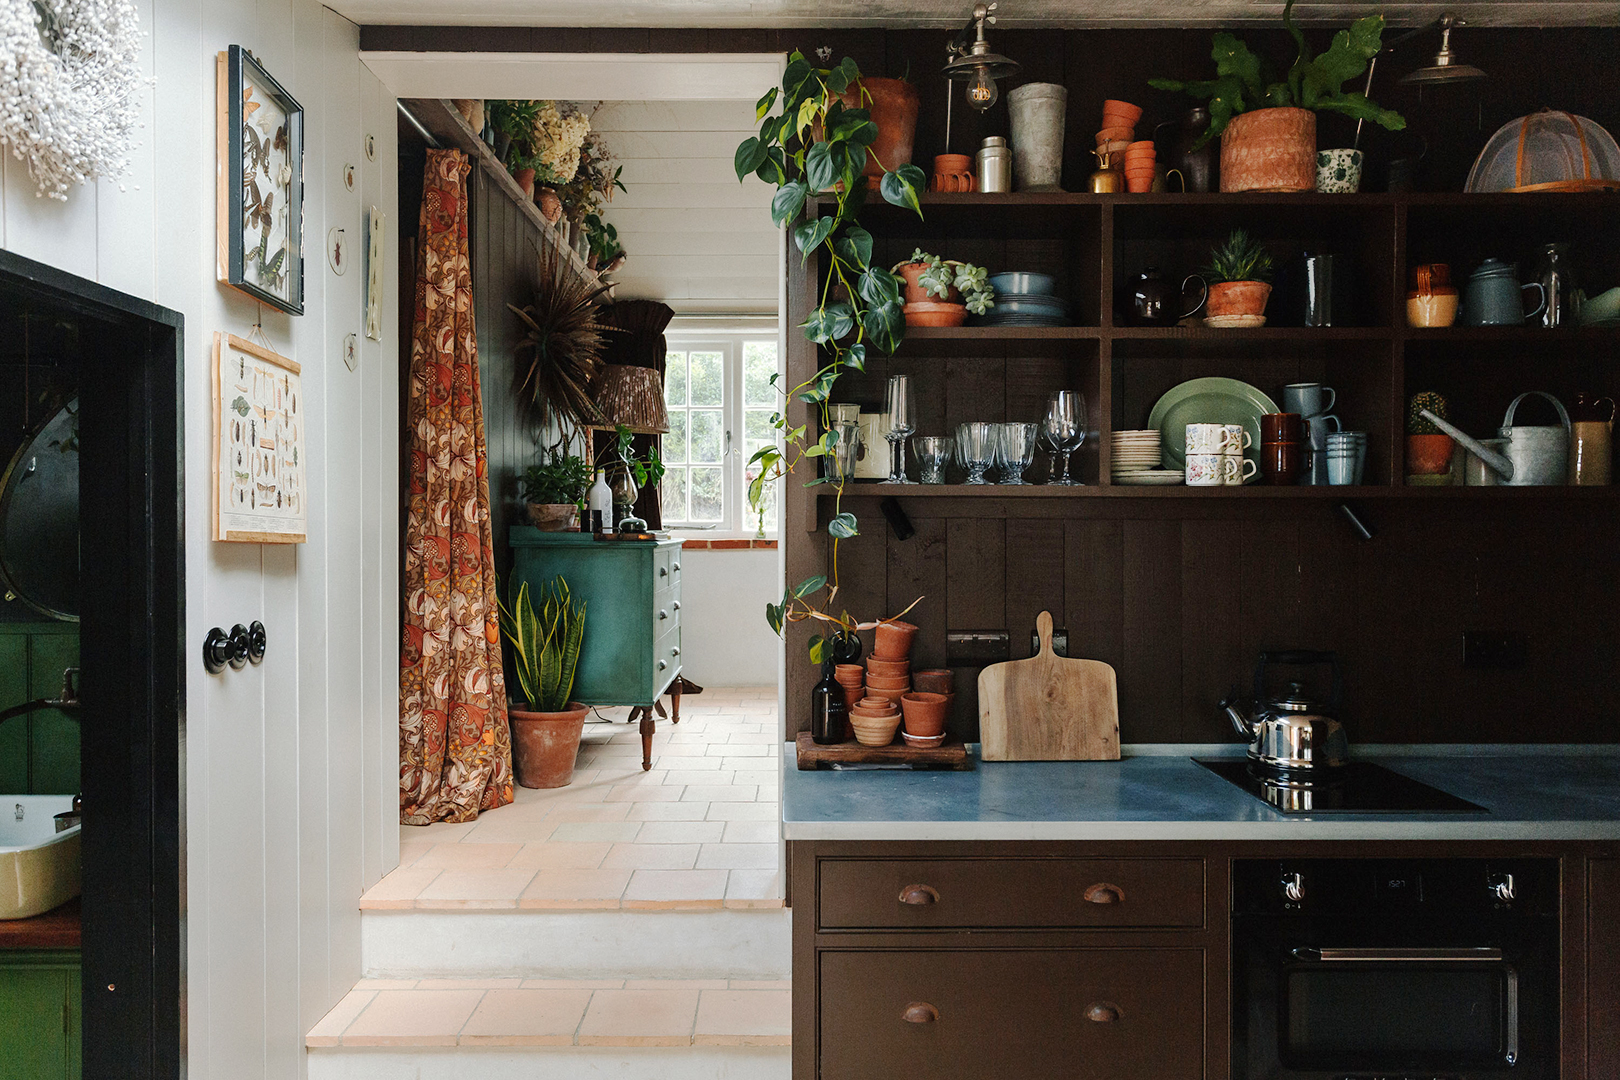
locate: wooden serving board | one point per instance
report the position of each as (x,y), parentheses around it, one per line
(949,754)
(1049,707)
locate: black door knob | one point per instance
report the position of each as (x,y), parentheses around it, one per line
(239,647)
(216,651)
(256,641)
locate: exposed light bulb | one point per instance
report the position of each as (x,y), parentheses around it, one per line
(981,90)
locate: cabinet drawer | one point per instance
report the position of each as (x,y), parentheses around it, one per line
(666,610)
(1079,1014)
(666,567)
(928,894)
(666,656)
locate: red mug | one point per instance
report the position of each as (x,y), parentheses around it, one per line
(1280,427)
(1280,461)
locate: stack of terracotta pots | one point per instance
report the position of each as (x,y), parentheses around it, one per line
(1116,139)
(852,677)
(875,720)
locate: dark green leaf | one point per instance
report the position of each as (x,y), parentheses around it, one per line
(1344,60)
(818,481)
(901,187)
(818,649)
(773,616)
(843,526)
(850,70)
(878,286)
(773,169)
(829,323)
(855,357)
(788,201)
(820,389)
(809,585)
(855,246)
(885,325)
(810,235)
(837,81)
(749,156)
(765,103)
(1233,58)
(795,76)
(820,170)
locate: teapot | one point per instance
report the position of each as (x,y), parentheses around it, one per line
(1150,294)
(1291,734)
(1532,456)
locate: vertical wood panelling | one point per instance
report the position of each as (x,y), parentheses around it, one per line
(1150,678)
(1035,559)
(1212,620)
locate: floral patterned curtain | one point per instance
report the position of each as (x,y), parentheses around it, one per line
(455,748)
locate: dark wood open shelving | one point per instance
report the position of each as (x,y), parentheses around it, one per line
(1248,491)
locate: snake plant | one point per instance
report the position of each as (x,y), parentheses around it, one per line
(545,645)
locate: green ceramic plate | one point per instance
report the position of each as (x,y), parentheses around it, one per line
(1207,401)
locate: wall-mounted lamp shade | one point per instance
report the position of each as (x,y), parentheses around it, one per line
(1444,66)
(975,64)
(633,396)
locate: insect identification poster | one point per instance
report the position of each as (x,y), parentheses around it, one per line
(259,492)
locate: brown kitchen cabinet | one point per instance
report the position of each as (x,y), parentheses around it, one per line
(1603,967)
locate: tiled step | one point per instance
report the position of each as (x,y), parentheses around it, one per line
(720,943)
(494,1029)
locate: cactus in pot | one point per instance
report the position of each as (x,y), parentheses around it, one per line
(1428,449)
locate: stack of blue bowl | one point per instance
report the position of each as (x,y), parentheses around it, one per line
(1025,300)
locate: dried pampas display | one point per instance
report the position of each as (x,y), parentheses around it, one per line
(564,341)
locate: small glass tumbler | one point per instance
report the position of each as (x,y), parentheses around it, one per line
(976,449)
(1017,450)
(933,455)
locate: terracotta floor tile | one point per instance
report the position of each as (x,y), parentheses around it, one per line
(398,889)
(606,884)
(573,984)
(640,856)
(751,832)
(756,888)
(682,832)
(676,984)
(740,750)
(634,792)
(737,857)
(602,811)
(669,886)
(639,1018)
(411,850)
(329,1030)
(495,888)
(439,832)
(526,1017)
(470,984)
(683,777)
(413,1018)
(585,832)
(745,811)
(761,984)
(385,984)
(668,811)
(719,793)
(545,856)
(744,1018)
(682,751)
(469,854)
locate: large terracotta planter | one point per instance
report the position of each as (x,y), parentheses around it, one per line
(893,105)
(545,745)
(1238,298)
(525,180)
(1269,150)
(1428,455)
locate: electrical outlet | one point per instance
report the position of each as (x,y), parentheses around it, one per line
(1494,650)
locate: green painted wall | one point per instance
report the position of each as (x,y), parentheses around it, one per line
(40,1015)
(39,753)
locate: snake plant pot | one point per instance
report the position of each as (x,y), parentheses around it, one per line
(1269,150)
(1238,298)
(545,745)
(1428,455)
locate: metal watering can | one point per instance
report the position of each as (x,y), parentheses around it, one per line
(1535,456)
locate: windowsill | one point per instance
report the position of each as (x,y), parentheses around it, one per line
(724,543)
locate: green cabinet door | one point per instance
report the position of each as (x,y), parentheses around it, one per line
(54,739)
(40,1015)
(14,732)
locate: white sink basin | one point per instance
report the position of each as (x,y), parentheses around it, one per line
(39,867)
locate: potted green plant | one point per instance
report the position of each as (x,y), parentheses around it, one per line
(607,254)
(1239,277)
(554,490)
(1267,124)
(941,292)
(545,654)
(513,122)
(1428,449)
(892,105)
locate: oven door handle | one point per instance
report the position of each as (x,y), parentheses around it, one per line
(1401,956)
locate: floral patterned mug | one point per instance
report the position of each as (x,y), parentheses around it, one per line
(1206,470)
(1338,172)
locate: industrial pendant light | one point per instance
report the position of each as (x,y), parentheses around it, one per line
(973,62)
(1445,67)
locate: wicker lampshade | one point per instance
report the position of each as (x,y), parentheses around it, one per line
(633,396)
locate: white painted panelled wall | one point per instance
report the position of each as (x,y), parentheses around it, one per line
(291,765)
(697,239)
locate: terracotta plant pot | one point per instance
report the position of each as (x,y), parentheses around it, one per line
(554,517)
(893,105)
(1428,455)
(1109,134)
(891,669)
(859,714)
(929,313)
(925,714)
(1238,298)
(916,294)
(545,745)
(891,696)
(953,172)
(892,640)
(1122,108)
(937,681)
(1269,150)
(874,731)
(550,204)
(887,682)
(525,180)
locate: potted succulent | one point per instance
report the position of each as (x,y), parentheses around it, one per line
(941,292)
(1428,449)
(554,491)
(1239,276)
(1267,124)
(545,654)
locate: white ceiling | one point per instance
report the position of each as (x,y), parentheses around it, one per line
(941,13)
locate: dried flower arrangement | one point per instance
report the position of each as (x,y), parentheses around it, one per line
(559,133)
(564,341)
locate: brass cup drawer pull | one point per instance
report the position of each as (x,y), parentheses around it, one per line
(1104,893)
(1103,1012)
(920,1012)
(919,895)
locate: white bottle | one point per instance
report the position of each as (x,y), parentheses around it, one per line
(600,498)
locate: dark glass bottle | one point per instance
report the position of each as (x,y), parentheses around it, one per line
(828,711)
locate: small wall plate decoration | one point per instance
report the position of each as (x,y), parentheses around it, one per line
(351,351)
(337,249)
(260,189)
(259,491)
(374,273)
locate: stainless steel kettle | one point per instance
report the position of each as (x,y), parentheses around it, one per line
(1290,733)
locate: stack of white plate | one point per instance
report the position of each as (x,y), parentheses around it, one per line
(1134,459)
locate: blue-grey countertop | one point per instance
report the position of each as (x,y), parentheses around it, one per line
(1158,793)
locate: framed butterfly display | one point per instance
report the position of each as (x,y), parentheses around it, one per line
(260,138)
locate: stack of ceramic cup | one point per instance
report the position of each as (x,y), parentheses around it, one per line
(1314,403)
(1134,458)
(1346,457)
(1280,460)
(1215,456)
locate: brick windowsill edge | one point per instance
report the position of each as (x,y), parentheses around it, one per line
(726,545)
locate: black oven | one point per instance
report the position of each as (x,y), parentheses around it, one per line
(1352,969)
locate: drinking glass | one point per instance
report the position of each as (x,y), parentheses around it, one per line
(846,450)
(976,449)
(933,454)
(1064,429)
(901,405)
(1017,450)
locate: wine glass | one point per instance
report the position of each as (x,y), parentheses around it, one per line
(901,405)
(1017,450)
(1064,429)
(933,454)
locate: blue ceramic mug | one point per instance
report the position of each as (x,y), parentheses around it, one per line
(1494,296)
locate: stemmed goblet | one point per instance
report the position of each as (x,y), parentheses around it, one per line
(1063,430)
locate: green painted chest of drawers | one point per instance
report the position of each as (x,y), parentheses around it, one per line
(632,592)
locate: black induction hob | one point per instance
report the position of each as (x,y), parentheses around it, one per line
(1358,788)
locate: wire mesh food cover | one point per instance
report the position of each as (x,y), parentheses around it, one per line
(1547,151)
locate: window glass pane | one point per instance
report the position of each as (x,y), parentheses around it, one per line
(708,378)
(706,494)
(759,364)
(675,378)
(672,489)
(757,429)
(751,519)
(674,441)
(706,435)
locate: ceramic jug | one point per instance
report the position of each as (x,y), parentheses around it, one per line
(1591,442)
(1153,304)
(1495,297)
(1431,300)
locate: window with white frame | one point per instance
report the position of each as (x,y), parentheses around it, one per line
(718,389)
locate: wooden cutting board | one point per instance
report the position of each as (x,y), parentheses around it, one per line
(1049,707)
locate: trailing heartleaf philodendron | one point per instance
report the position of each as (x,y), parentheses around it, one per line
(816,146)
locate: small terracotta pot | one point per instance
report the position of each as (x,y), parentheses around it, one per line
(1110,133)
(874,731)
(892,640)
(1123,108)
(1237,298)
(874,714)
(915,294)
(922,743)
(888,682)
(1138,185)
(550,204)
(953,172)
(891,696)
(1269,150)
(525,180)
(1428,455)
(546,745)
(848,671)
(929,313)
(888,668)
(853,691)
(936,681)
(925,713)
